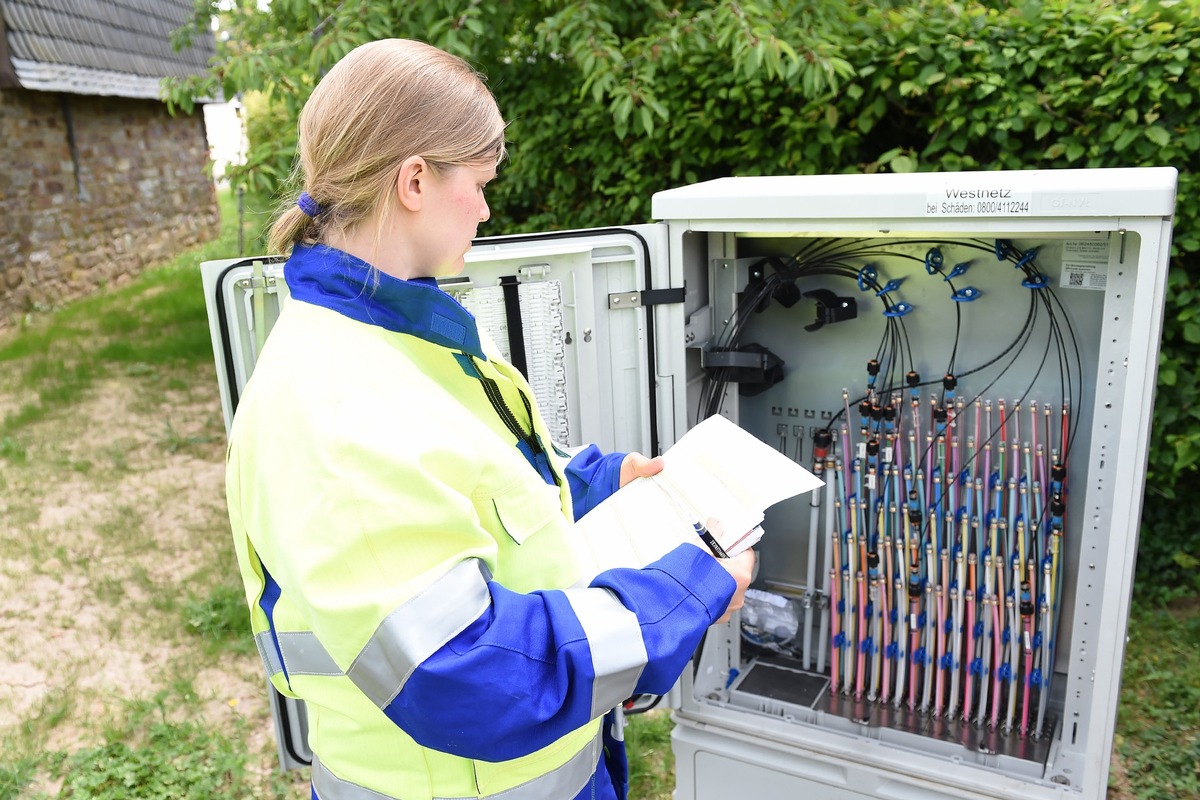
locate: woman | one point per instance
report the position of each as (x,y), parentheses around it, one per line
(400,515)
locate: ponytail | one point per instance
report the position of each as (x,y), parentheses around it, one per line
(291,226)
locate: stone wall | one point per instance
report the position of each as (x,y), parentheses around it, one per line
(128,191)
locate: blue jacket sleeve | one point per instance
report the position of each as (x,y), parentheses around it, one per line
(592,476)
(523,674)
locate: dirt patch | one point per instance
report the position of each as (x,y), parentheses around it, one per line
(1119,787)
(113,521)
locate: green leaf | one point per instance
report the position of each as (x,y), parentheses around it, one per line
(647,119)
(1191,332)
(1158,135)
(1126,138)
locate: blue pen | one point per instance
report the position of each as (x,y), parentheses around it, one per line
(710,540)
(701,531)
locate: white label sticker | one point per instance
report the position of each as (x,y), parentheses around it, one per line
(979,201)
(1084,264)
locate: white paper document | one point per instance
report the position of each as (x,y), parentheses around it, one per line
(715,471)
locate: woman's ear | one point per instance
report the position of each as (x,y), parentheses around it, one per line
(412,182)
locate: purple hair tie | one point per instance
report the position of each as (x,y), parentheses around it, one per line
(308,205)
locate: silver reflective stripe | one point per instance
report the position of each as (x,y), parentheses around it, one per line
(418,628)
(615,639)
(270,656)
(565,781)
(303,654)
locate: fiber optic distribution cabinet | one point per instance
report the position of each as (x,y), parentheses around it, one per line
(967,360)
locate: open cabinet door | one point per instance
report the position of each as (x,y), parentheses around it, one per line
(571,310)
(243,297)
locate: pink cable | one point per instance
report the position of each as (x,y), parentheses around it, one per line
(912,653)
(941,652)
(1025,695)
(885,642)
(835,626)
(862,638)
(970,657)
(999,655)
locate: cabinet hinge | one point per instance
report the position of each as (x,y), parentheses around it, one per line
(650,297)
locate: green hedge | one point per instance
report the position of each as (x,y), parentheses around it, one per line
(612,101)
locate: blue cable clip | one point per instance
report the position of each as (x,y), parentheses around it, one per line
(1035,677)
(1036,282)
(977,666)
(966,294)
(868,647)
(841,606)
(867,275)
(1003,249)
(959,269)
(898,310)
(894,616)
(892,651)
(921,619)
(839,641)
(920,656)
(1037,640)
(934,260)
(1005,672)
(949,625)
(1029,256)
(979,630)
(947,660)
(891,285)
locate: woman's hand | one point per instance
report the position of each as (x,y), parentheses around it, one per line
(741,568)
(636,465)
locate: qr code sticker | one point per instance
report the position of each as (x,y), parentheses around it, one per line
(1075,279)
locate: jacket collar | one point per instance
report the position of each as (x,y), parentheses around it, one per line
(328,277)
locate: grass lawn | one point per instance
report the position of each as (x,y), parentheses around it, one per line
(127,669)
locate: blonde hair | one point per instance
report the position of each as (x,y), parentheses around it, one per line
(384,102)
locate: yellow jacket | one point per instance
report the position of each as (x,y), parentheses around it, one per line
(407,558)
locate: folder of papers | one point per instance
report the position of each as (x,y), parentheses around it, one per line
(716,471)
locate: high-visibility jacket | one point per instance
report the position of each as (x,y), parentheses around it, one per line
(402,524)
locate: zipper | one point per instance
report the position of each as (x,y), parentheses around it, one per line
(492,391)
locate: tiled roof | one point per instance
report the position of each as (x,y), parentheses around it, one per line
(106,47)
